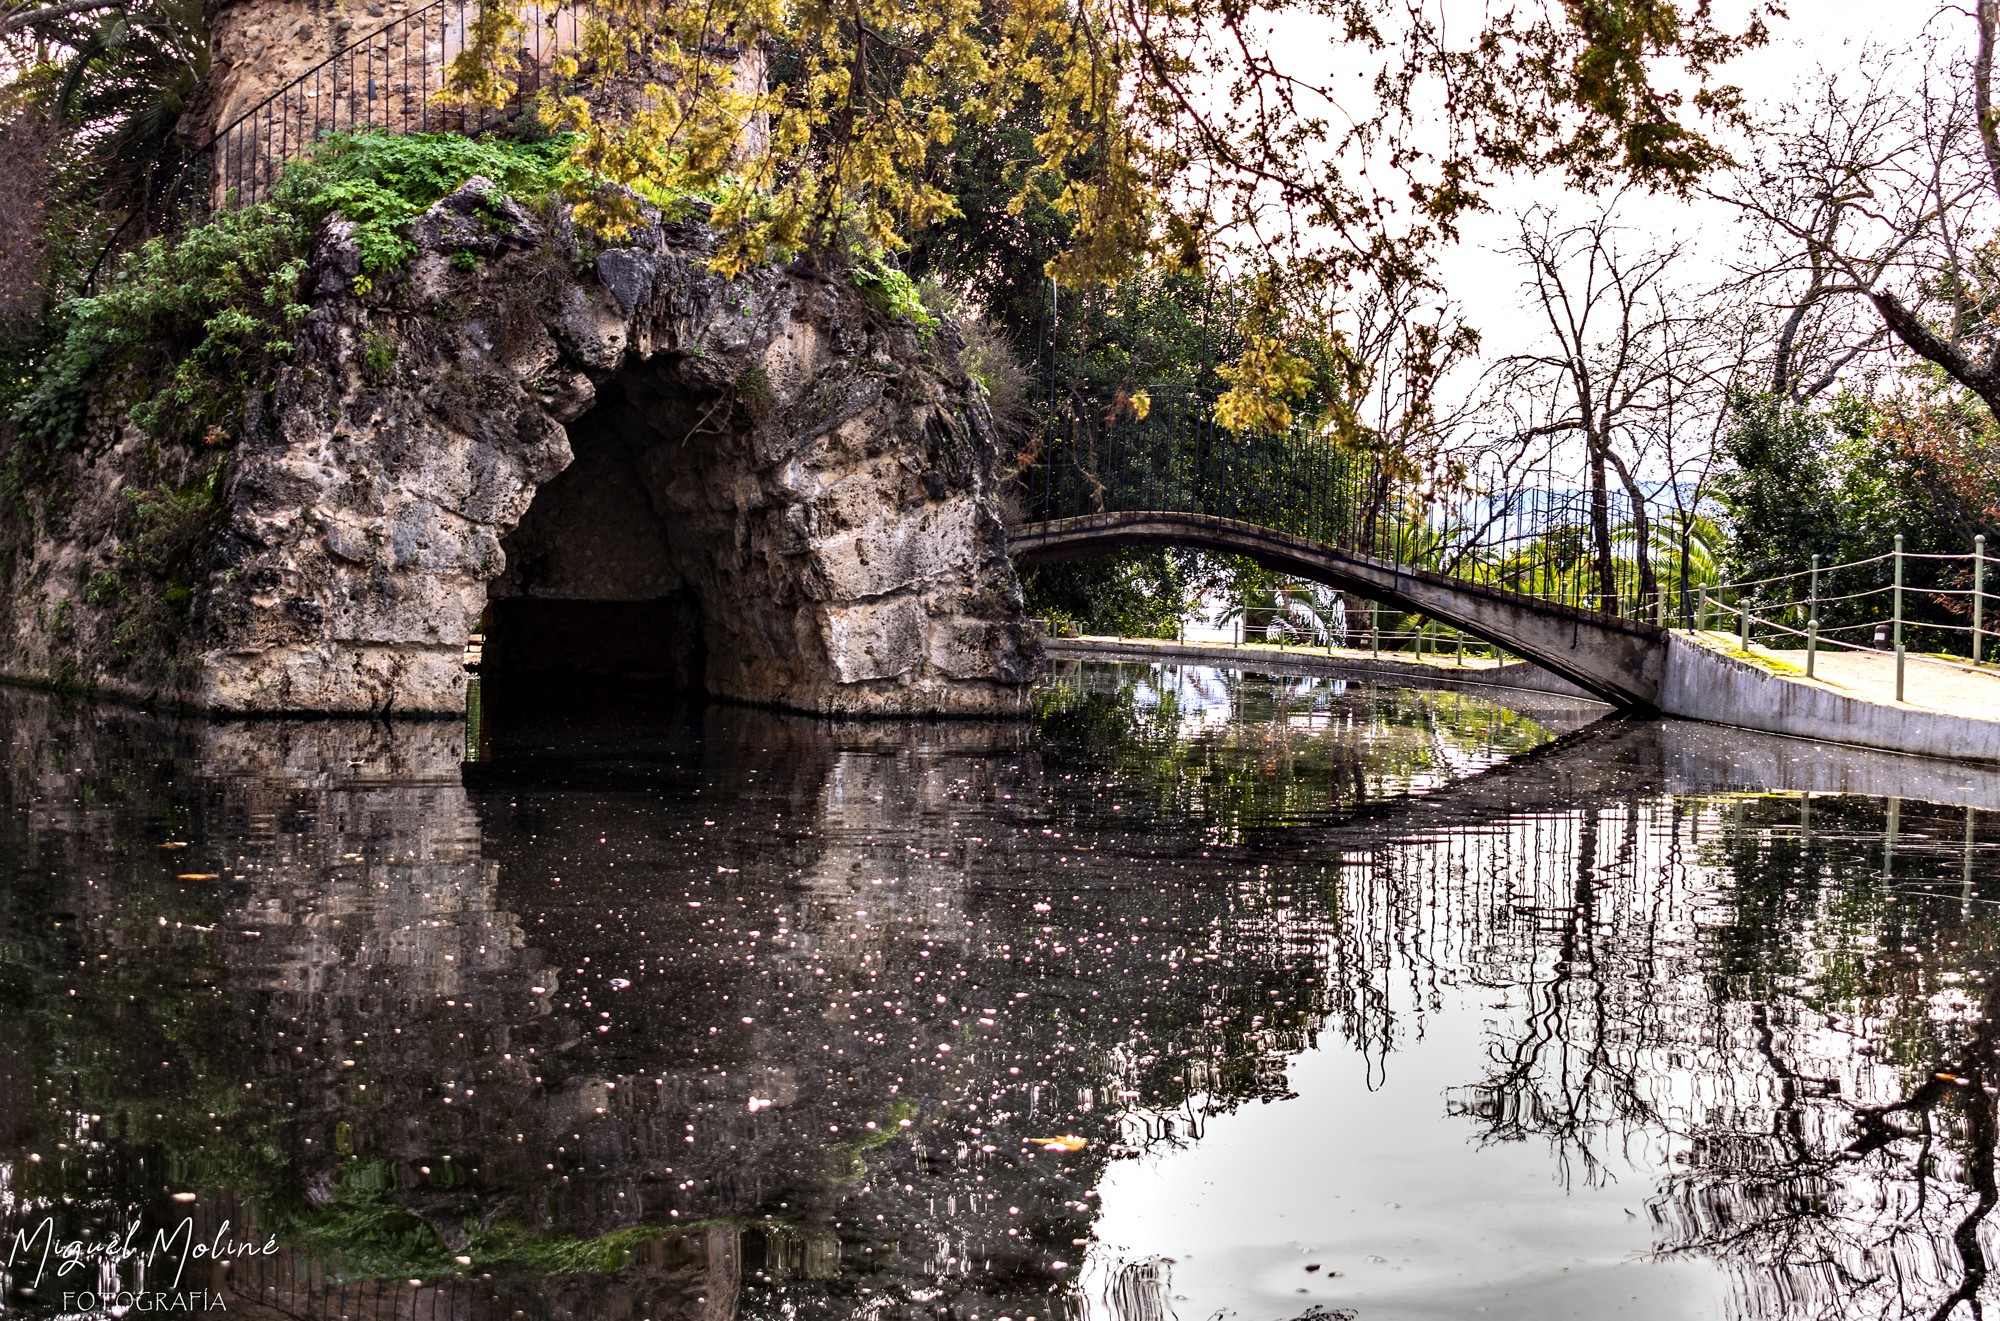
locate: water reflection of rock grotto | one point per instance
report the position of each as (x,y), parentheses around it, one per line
(472,1031)
(408,1016)
(461,989)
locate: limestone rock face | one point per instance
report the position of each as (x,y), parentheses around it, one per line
(628,463)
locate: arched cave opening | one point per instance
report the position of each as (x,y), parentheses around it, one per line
(612,576)
(801,526)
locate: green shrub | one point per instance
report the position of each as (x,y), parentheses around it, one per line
(163,534)
(893,292)
(194,321)
(366,1232)
(378,354)
(382,182)
(179,316)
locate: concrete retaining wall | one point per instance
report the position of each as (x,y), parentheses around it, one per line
(1703,684)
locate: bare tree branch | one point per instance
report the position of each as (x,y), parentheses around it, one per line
(21,20)
(1627,360)
(1884,183)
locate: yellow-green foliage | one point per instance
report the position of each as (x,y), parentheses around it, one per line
(1168,134)
(893,292)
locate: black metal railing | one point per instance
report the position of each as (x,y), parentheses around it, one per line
(1539,533)
(385,81)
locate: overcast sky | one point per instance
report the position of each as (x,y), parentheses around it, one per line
(1830,34)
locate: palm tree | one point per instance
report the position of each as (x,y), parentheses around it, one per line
(1275,607)
(115,80)
(1689,545)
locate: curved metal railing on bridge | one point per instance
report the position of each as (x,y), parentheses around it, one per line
(1539,533)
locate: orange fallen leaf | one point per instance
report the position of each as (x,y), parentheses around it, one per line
(198,876)
(1067,1142)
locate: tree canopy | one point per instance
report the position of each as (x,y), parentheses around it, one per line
(1164,132)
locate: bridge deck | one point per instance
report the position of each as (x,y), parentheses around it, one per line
(1619,660)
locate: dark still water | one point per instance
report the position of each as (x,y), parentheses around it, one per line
(1198,997)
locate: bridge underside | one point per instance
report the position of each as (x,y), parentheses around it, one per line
(1619,660)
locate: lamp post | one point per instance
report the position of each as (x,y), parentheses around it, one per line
(1978,596)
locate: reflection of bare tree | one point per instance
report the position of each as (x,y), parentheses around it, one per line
(1139,1292)
(1582,1067)
(1971,1086)
(1760,997)
(1735,1028)
(1847,1209)
(1869,1186)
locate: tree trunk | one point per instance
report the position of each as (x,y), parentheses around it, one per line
(1642,530)
(1600,531)
(1980,377)
(1988,17)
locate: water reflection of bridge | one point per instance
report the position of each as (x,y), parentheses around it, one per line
(868,895)
(1617,761)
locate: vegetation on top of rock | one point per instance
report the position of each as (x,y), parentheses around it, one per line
(381,182)
(893,292)
(183,316)
(191,322)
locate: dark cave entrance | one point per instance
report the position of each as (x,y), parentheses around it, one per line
(610,574)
